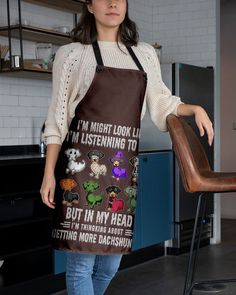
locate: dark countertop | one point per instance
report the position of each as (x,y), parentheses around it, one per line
(23,156)
(20,154)
(21,159)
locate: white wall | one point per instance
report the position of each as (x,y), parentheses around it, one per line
(24,102)
(185,28)
(23,105)
(228,100)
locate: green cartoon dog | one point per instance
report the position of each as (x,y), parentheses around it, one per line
(90,186)
(131,192)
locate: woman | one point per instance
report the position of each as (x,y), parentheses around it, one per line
(92,132)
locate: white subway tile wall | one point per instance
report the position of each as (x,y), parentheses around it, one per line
(185,28)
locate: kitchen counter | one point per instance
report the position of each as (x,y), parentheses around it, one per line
(20,154)
(21,158)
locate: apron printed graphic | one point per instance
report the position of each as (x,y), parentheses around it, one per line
(92,198)
(69,198)
(73,166)
(135,162)
(97,167)
(117,171)
(115,204)
(131,192)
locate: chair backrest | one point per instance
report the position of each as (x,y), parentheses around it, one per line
(189,152)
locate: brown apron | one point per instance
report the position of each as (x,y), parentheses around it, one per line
(97,167)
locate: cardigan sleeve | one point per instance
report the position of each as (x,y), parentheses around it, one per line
(52,133)
(160,101)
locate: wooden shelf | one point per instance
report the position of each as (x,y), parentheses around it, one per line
(36,34)
(29,73)
(65,5)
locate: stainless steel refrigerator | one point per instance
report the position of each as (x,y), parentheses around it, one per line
(195,85)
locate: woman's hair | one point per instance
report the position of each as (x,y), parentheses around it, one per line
(86,33)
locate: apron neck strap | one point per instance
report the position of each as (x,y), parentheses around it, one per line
(98,55)
(138,64)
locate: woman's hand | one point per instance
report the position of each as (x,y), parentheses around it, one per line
(49,183)
(201,118)
(204,124)
(47,190)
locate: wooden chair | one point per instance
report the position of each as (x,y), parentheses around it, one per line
(197,176)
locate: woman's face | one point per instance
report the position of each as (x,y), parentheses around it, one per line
(108,13)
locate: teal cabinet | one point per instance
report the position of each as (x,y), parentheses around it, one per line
(154,212)
(59,262)
(154,209)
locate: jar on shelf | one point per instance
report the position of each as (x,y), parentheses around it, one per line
(43,51)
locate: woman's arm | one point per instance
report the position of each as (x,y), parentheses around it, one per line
(48,185)
(52,135)
(161,102)
(201,118)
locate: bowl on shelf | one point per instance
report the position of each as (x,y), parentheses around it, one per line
(62,29)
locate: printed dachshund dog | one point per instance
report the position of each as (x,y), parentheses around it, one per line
(117,171)
(96,168)
(114,202)
(90,186)
(131,192)
(70,198)
(73,166)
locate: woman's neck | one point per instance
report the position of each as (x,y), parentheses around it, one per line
(107,35)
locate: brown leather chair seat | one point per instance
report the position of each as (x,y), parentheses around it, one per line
(197,176)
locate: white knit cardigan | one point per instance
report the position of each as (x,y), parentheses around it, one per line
(73,70)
